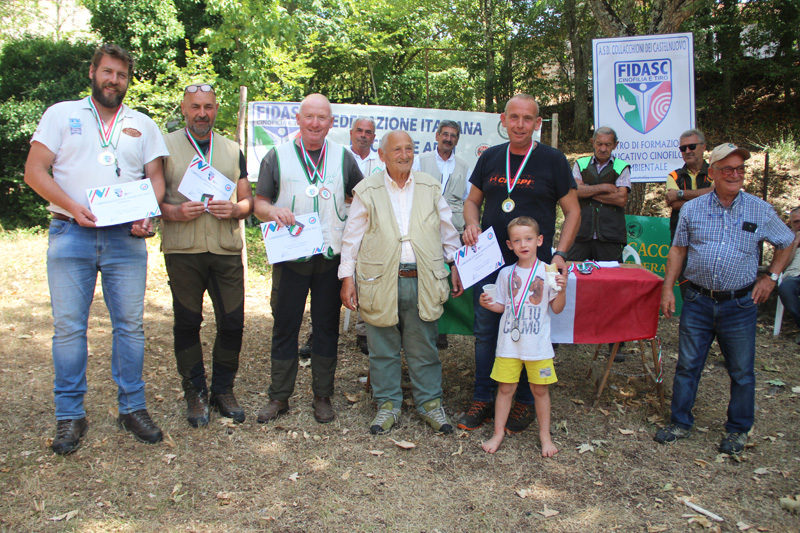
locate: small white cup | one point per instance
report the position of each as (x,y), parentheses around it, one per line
(491,290)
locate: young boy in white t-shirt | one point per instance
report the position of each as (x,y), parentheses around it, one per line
(523,296)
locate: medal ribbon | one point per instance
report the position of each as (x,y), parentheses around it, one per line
(197,149)
(509,185)
(106,134)
(313,171)
(518,310)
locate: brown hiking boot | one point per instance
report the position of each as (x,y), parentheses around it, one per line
(141,426)
(68,435)
(272,410)
(323,410)
(196,409)
(227,406)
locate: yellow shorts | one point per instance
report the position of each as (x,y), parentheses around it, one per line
(507,370)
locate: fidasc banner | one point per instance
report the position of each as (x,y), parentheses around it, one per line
(644,89)
(271,123)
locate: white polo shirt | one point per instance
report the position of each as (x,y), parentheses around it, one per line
(70,131)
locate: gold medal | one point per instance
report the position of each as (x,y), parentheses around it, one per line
(508,205)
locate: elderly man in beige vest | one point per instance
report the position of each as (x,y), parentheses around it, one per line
(202,245)
(398,237)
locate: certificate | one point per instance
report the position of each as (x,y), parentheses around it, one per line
(476,262)
(202,183)
(286,243)
(122,203)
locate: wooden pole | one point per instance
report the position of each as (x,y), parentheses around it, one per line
(554,131)
(240,138)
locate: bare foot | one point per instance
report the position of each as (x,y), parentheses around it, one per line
(493,444)
(548,448)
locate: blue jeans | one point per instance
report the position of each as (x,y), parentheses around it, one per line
(733,323)
(486,326)
(789,291)
(74,257)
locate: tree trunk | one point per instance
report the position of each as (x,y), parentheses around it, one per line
(486,8)
(636,198)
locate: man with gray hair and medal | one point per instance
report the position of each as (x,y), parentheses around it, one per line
(521,177)
(202,246)
(307,174)
(90,143)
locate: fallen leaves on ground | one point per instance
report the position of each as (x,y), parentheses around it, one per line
(547,513)
(404,444)
(65,517)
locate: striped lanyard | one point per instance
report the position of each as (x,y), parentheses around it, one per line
(509,185)
(314,171)
(525,289)
(197,149)
(106,133)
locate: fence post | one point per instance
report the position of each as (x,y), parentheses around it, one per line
(554,131)
(240,138)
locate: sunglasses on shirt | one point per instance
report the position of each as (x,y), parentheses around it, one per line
(202,87)
(687,146)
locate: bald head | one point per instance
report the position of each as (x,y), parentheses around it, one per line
(397,152)
(199,111)
(315,119)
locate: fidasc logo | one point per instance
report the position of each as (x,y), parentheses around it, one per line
(643,92)
(480,149)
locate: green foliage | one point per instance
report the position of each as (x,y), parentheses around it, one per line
(147,28)
(38,68)
(256,254)
(19,204)
(161,98)
(786,150)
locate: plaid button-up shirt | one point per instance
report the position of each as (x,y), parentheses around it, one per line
(723,241)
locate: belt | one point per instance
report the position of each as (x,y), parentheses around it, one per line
(59,216)
(407,272)
(721,295)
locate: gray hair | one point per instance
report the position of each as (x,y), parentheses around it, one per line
(604,130)
(693,133)
(449,124)
(384,139)
(363,117)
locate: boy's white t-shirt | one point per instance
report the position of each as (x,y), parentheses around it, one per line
(534,325)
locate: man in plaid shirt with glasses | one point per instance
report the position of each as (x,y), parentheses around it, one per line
(718,235)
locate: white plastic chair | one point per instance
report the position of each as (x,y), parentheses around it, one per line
(628,251)
(776,329)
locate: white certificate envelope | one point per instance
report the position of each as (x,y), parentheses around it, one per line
(476,262)
(126,202)
(202,182)
(283,243)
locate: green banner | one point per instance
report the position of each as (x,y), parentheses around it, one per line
(648,237)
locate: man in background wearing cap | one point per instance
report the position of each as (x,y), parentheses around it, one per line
(718,234)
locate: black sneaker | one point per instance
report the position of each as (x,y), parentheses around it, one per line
(305,350)
(141,426)
(476,415)
(733,443)
(520,417)
(671,433)
(68,435)
(227,406)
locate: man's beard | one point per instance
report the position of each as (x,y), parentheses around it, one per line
(200,129)
(110,102)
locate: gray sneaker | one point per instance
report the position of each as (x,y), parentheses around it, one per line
(671,433)
(733,443)
(433,414)
(385,419)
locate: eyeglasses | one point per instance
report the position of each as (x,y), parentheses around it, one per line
(687,146)
(203,87)
(728,171)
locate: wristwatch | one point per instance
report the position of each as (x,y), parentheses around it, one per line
(560,254)
(774,277)
(680,194)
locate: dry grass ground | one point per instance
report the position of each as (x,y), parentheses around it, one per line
(298,475)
